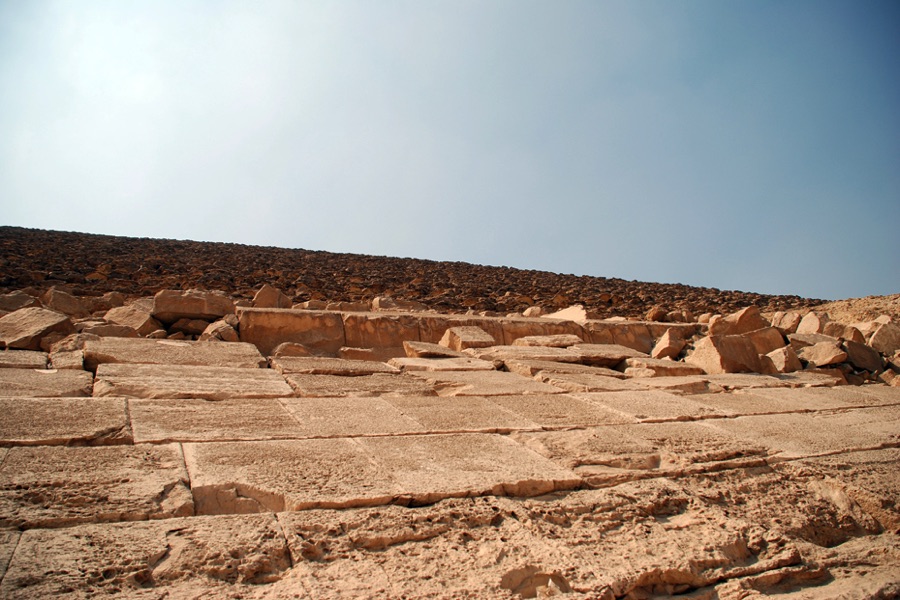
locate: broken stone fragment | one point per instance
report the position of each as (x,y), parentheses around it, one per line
(24,328)
(785,360)
(744,321)
(725,354)
(429,350)
(460,338)
(111,330)
(669,345)
(886,339)
(550,341)
(172,305)
(533,311)
(813,322)
(786,322)
(135,315)
(189,326)
(271,297)
(65,303)
(661,367)
(844,332)
(823,354)
(13,301)
(862,356)
(219,330)
(766,340)
(388,303)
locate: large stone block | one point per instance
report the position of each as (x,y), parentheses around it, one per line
(462,338)
(785,359)
(172,305)
(349,417)
(24,328)
(339,386)
(65,303)
(329,366)
(862,356)
(462,414)
(766,340)
(23,359)
(374,330)
(174,352)
(433,328)
(725,354)
(886,339)
(743,321)
(319,331)
(182,381)
(49,383)
(514,329)
(823,354)
(63,422)
(482,383)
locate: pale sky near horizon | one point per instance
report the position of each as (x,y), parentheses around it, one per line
(741,144)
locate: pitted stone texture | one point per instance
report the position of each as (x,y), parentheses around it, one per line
(756,402)
(652,405)
(53,486)
(320,331)
(725,354)
(177,558)
(798,435)
(430,350)
(8,541)
(22,359)
(181,381)
(170,352)
(560,410)
(433,467)
(249,477)
(658,367)
(738,381)
(63,422)
(501,354)
(347,417)
(50,383)
(563,340)
(461,414)
(483,383)
(589,382)
(136,315)
(531,368)
(377,330)
(330,366)
(194,420)
(24,328)
(825,398)
(605,355)
(337,386)
(172,305)
(442,364)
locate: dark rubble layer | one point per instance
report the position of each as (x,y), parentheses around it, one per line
(88,264)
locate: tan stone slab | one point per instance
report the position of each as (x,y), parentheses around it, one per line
(530,368)
(752,402)
(785,400)
(605,355)
(551,341)
(379,384)
(660,367)
(429,468)
(348,417)
(330,366)
(50,383)
(692,384)
(738,381)
(247,477)
(53,486)
(8,541)
(442,364)
(504,353)
(170,352)
(380,330)
(430,350)
(589,382)
(195,420)
(483,383)
(63,421)
(560,410)
(320,331)
(883,392)
(652,405)
(23,359)
(807,434)
(174,558)
(461,414)
(180,381)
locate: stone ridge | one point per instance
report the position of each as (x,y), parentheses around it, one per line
(90,265)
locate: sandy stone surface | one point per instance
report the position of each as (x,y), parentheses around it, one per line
(346,417)
(441,364)
(22,359)
(329,366)
(172,352)
(178,381)
(651,405)
(483,383)
(461,414)
(379,384)
(64,422)
(589,382)
(562,410)
(50,383)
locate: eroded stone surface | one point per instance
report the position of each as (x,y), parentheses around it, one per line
(461,414)
(178,381)
(482,383)
(63,421)
(379,384)
(330,366)
(652,405)
(442,364)
(22,359)
(50,383)
(345,417)
(172,352)
(561,410)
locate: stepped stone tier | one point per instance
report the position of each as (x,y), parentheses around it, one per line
(161,441)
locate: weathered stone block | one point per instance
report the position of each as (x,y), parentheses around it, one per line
(321,332)
(172,305)
(24,328)
(725,354)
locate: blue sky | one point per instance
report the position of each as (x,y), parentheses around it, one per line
(751,145)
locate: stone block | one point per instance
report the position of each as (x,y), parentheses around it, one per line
(387,303)
(549,341)
(371,330)
(23,359)
(349,417)
(441,364)
(588,382)
(111,330)
(337,386)
(813,322)
(171,305)
(220,330)
(64,303)
(725,354)
(501,354)
(743,321)
(514,329)
(531,368)
(605,355)
(766,340)
(786,322)
(266,328)
(651,406)
(49,383)
(482,383)
(886,339)
(16,300)
(63,422)
(91,485)
(461,338)
(171,352)
(659,367)
(862,356)
(24,328)
(844,332)
(560,410)
(785,360)
(287,365)
(136,315)
(460,414)
(429,350)
(669,345)
(433,327)
(182,381)
(823,354)
(271,297)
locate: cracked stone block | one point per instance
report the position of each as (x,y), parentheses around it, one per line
(9,539)
(49,383)
(319,331)
(54,486)
(273,476)
(337,386)
(433,467)
(651,405)
(442,364)
(738,381)
(560,410)
(289,365)
(23,359)
(589,382)
(461,414)
(182,557)
(195,420)
(64,422)
(181,381)
(346,417)
(497,354)
(531,368)
(483,383)
(170,352)
(605,355)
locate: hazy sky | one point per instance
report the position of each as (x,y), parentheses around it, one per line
(737,144)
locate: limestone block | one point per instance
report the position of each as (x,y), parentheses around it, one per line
(561,410)
(373,354)
(689,384)
(50,383)
(886,339)
(862,356)
(725,354)
(176,558)
(349,306)
(111,330)
(429,350)
(194,420)
(550,341)
(669,345)
(461,338)
(500,354)
(530,368)
(171,305)
(462,414)
(766,340)
(337,386)
(651,405)
(388,303)
(785,360)
(371,330)
(634,335)
(172,352)
(16,300)
(823,354)
(189,326)
(291,349)
(271,297)
(266,328)
(23,359)
(588,382)
(482,383)
(63,422)
(813,322)
(72,359)
(330,366)
(662,367)
(183,381)
(64,303)
(433,327)
(605,355)
(801,340)
(441,364)
(136,315)
(219,330)
(743,321)
(742,381)
(111,483)
(533,311)
(786,322)
(24,328)
(517,328)
(349,417)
